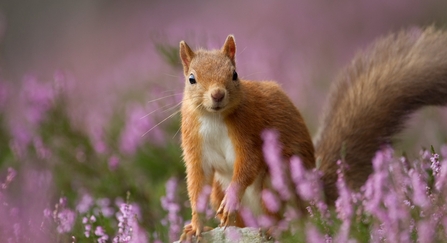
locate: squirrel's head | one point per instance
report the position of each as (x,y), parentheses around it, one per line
(211,81)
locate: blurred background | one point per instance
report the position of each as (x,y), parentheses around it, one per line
(82,81)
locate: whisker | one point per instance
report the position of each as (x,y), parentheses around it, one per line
(170,116)
(170,108)
(178,130)
(148,114)
(164,97)
(197,107)
(173,114)
(162,107)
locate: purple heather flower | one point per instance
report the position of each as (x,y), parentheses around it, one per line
(139,235)
(231,197)
(16,230)
(131,137)
(125,229)
(373,188)
(309,210)
(87,230)
(343,203)
(98,142)
(419,189)
(21,138)
(444,224)
(426,231)
(42,151)
(99,231)
(271,202)
(266,221)
(396,216)
(136,211)
(248,217)
(104,207)
(38,97)
(343,232)
(313,235)
(63,202)
(135,132)
(202,201)
(323,208)
(171,188)
(66,219)
(435,164)
(307,182)
(47,213)
(170,204)
(9,177)
(128,229)
(292,214)
(113,162)
(425,154)
(273,158)
(85,204)
(441,179)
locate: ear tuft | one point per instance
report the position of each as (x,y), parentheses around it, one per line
(229,48)
(186,55)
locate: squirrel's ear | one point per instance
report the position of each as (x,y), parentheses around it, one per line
(229,48)
(186,54)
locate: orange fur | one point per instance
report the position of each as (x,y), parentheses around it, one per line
(248,108)
(368,104)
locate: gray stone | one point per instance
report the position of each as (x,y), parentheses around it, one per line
(233,235)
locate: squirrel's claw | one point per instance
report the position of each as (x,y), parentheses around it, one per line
(227,213)
(189,231)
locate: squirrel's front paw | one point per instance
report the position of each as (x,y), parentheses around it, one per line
(195,228)
(189,231)
(227,211)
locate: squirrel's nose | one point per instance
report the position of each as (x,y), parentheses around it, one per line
(218,95)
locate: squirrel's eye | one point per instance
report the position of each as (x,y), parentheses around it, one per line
(234,76)
(192,79)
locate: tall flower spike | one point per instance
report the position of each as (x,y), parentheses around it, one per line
(273,158)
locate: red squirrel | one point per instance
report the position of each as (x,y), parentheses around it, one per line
(223,117)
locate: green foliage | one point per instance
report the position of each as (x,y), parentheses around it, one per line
(169,53)
(77,168)
(5,149)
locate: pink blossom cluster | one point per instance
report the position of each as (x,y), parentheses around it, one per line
(170,204)
(127,228)
(26,216)
(401,200)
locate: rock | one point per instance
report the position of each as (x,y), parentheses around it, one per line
(233,235)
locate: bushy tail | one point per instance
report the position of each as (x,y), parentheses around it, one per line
(373,97)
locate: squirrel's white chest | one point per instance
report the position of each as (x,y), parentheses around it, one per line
(218,155)
(217,149)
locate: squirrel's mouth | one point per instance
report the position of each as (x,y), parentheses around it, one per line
(216,108)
